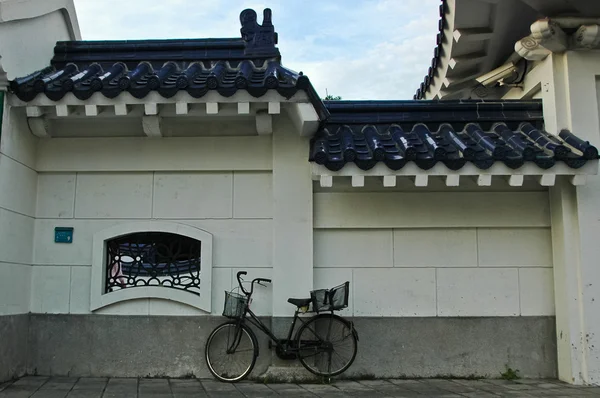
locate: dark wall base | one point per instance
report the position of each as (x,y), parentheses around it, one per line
(130,346)
(457,347)
(13,346)
(124,346)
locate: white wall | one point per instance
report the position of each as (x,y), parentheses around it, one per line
(17,212)
(29,31)
(436,254)
(234,206)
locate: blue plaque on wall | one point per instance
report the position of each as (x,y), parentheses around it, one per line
(63,234)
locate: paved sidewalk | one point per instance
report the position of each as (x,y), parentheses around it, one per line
(61,387)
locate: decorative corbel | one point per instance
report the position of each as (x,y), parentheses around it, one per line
(586,36)
(546,37)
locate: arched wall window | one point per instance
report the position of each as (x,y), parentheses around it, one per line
(152,260)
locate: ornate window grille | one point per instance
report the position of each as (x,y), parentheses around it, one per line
(153,259)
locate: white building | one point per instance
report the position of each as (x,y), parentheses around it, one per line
(466,228)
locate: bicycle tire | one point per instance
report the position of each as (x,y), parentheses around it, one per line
(229,330)
(306,343)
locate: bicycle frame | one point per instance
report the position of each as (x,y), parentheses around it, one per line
(284,344)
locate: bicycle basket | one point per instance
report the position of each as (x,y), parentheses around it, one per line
(235,304)
(332,299)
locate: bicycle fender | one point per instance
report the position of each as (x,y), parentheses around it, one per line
(354,332)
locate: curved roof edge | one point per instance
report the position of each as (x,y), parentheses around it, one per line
(474,37)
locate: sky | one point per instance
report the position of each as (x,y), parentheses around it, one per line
(356,49)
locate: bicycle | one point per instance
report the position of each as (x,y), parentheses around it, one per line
(232,347)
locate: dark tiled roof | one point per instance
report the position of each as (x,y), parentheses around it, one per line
(250,63)
(451,132)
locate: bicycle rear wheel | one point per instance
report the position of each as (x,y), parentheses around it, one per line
(231,351)
(327,345)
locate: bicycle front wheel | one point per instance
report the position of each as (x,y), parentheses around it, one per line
(327,345)
(231,351)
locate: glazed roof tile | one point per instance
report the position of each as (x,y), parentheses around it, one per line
(251,63)
(451,132)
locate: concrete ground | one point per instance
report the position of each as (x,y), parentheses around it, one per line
(61,387)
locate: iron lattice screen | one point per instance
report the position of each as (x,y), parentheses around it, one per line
(153,259)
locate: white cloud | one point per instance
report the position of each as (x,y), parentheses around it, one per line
(358,49)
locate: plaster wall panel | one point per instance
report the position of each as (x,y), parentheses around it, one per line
(79,252)
(56,195)
(326,278)
(16,141)
(193,195)
(353,247)
(19,184)
(394,292)
(113,195)
(16,237)
(477,292)
(29,41)
(50,289)
(79,298)
(129,307)
(171,308)
(15,288)
(222,280)
(142,154)
(435,247)
(293,245)
(515,247)
(431,210)
(536,286)
(242,243)
(252,195)
(239,243)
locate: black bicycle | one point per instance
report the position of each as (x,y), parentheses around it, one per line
(325,343)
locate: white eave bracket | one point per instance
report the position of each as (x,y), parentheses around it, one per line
(305,118)
(451,178)
(153,107)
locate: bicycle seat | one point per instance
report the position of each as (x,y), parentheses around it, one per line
(299,302)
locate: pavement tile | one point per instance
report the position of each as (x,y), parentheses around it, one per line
(527,381)
(187,388)
(91,383)
(403,381)
(64,384)
(121,388)
(31,379)
(50,393)
(4,385)
(291,390)
(513,394)
(149,387)
(213,385)
(521,386)
(67,387)
(85,393)
(424,388)
(323,390)
(479,394)
(251,390)
(15,394)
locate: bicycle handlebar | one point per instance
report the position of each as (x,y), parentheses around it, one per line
(255,280)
